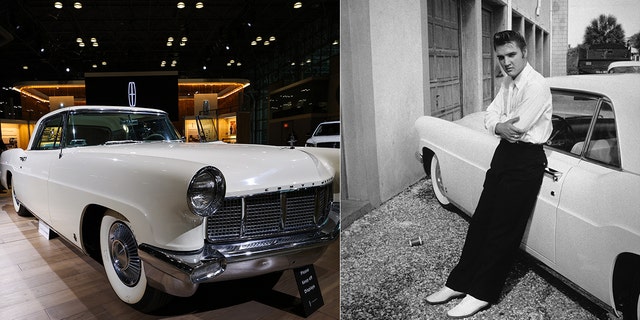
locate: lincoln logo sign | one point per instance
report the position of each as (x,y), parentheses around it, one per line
(132,94)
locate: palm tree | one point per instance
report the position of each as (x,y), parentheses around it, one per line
(605,29)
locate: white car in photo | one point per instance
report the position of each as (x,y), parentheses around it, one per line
(165,216)
(586,224)
(326,135)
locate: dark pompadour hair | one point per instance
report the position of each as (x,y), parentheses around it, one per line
(502,37)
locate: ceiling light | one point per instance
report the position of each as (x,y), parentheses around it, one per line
(293,63)
(25,67)
(266,43)
(81,44)
(68,70)
(258,38)
(229,64)
(199,5)
(170,39)
(297,5)
(272,38)
(104,63)
(169,43)
(58,5)
(232,61)
(204,67)
(308,60)
(78,40)
(95,44)
(184,39)
(227,47)
(182,43)
(93,39)
(253,43)
(94,66)
(41,50)
(77,5)
(180,5)
(335,42)
(238,64)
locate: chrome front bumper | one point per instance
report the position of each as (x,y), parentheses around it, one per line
(180,273)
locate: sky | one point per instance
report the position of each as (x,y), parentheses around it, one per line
(581,12)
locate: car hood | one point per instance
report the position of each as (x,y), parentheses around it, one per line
(246,168)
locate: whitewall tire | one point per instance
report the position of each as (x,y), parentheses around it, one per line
(124,267)
(20,209)
(436,182)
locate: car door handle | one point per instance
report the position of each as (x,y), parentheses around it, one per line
(23,158)
(555,174)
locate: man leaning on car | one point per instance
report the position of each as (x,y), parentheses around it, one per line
(520,115)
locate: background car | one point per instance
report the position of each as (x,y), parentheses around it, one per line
(586,225)
(164,216)
(326,135)
(624,67)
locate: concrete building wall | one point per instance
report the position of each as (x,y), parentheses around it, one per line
(560,37)
(386,83)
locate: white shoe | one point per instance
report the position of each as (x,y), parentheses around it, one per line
(467,307)
(444,295)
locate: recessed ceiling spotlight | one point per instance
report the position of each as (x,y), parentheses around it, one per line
(169,43)
(258,38)
(204,67)
(93,39)
(266,43)
(95,44)
(199,5)
(104,63)
(297,5)
(78,40)
(229,64)
(227,47)
(25,67)
(77,5)
(335,42)
(238,64)
(81,44)
(68,70)
(182,43)
(232,61)
(57,5)
(170,39)
(272,38)
(253,43)
(184,39)
(94,66)
(180,5)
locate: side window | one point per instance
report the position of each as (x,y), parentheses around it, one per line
(603,144)
(50,135)
(572,115)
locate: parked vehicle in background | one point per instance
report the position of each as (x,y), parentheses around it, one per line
(597,58)
(586,224)
(165,216)
(624,67)
(326,135)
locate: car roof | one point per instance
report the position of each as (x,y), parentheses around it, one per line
(623,64)
(105,108)
(622,90)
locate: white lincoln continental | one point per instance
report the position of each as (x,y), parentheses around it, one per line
(163,215)
(585,227)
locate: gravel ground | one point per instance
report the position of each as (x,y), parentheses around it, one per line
(382,277)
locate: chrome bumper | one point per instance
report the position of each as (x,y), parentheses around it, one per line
(180,273)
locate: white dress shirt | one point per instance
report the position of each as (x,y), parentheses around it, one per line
(528,97)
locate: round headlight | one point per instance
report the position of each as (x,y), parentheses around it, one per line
(206,191)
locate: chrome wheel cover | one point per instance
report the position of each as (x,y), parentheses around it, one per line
(123,252)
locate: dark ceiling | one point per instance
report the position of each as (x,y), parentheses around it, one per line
(39,41)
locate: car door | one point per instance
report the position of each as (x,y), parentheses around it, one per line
(572,116)
(594,196)
(32,180)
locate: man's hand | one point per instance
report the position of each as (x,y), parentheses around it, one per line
(506,130)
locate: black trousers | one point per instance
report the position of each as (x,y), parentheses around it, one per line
(510,191)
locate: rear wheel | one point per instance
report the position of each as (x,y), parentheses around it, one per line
(20,209)
(436,182)
(124,267)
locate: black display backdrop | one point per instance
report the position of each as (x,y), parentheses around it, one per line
(158,90)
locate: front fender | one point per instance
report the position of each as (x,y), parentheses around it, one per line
(9,161)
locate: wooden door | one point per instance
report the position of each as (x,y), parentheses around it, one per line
(444,59)
(487,58)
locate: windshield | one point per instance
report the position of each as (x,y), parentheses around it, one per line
(328,129)
(97,128)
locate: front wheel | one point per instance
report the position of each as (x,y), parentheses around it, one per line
(437,184)
(124,267)
(20,209)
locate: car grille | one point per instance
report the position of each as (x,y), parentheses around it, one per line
(328,145)
(270,214)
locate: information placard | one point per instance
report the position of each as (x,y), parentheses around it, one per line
(309,289)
